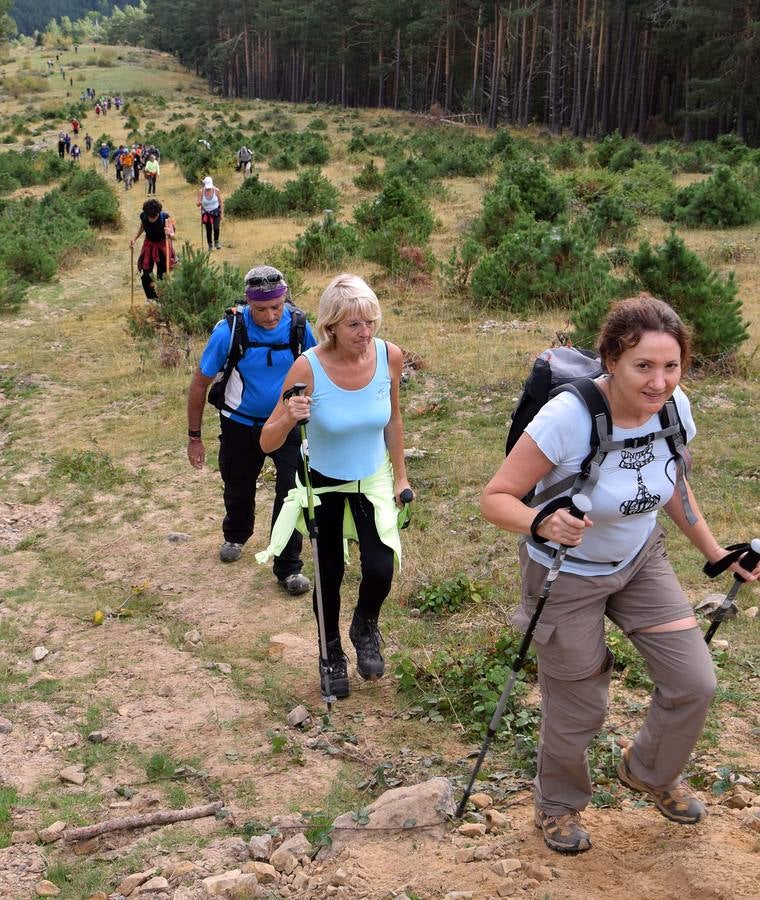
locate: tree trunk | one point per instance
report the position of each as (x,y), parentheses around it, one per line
(555,113)
(397,75)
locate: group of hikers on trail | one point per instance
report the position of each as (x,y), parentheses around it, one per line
(278,384)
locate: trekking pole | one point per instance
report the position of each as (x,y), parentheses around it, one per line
(727,609)
(132,270)
(327,695)
(580,505)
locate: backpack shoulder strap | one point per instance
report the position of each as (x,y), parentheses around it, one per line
(600,441)
(675,434)
(297,329)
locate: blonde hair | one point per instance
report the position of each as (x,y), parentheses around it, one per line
(346,295)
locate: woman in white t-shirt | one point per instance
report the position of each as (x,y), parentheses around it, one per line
(617,567)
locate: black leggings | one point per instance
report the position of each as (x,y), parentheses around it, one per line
(210,221)
(375,556)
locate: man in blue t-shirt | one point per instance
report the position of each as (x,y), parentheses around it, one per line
(250,395)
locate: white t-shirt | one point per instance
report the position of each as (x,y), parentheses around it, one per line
(633,484)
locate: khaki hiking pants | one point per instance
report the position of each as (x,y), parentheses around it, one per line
(569,642)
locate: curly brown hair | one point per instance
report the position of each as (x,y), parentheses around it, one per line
(628,319)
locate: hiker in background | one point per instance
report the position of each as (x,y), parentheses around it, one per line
(152,172)
(210,202)
(137,163)
(116,160)
(127,161)
(97,109)
(67,143)
(61,144)
(159,231)
(275,333)
(356,464)
(244,161)
(105,155)
(75,152)
(87,142)
(617,567)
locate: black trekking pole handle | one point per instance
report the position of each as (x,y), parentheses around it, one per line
(296,391)
(580,505)
(748,562)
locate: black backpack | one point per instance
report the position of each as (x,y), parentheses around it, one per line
(239,343)
(569,368)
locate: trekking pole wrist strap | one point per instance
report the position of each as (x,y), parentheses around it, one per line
(733,553)
(194,433)
(551,507)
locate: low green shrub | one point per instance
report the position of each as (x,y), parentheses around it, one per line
(590,185)
(310,193)
(540,266)
(195,297)
(397,200)
(370,178)
(721,201)
(566,154)
(314,153)
(612,219)
(540,194)
(254,199)
(284,161)
(448,596)
(325,244)
(647,187)
(607,148)
(501,208)
(626,156)
(466,687)
(317,124)
(701,297)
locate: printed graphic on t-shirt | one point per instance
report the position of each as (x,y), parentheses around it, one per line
(643,501)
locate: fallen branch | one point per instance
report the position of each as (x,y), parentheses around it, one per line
(162,817)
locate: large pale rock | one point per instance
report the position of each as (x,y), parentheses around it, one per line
(39,653)
(536,871)
(73,775)
(429,803)
(496,821)
(52,833)
(291,648)
(153,886)
(472,829)
(264,872)
(6,726)
(217,885)
(505,866)
(298,845)
(260,846)
(24,837)
(481,801)
(46,889)
(284,861)
(298,716)
(132,882)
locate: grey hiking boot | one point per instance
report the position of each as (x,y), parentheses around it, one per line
(366,638)
(679,804)
(218,245)
(564,834)
(333,672)
(230,551)
(296,584)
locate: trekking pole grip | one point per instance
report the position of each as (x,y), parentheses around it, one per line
(296,391)
(579,506)
(750,558)
(406,496)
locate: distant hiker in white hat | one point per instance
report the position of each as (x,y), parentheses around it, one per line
(210,202)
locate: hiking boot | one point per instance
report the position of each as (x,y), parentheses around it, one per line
(296,584)
(680,804)
(336,666)
(218,245)
(563,833)
(230,551)
(366,638)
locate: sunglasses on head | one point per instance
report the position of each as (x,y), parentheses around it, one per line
(258,280)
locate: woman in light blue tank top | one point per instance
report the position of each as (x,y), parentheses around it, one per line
(356,457)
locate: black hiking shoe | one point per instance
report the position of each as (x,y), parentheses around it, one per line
(366,638)
(680,804)
(564,834)
(335,671)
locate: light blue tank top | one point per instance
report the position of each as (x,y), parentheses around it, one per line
(345,431)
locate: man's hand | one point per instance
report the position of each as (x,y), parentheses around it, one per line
(196,453)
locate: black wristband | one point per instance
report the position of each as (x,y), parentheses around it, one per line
(194,433)
(534,529)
